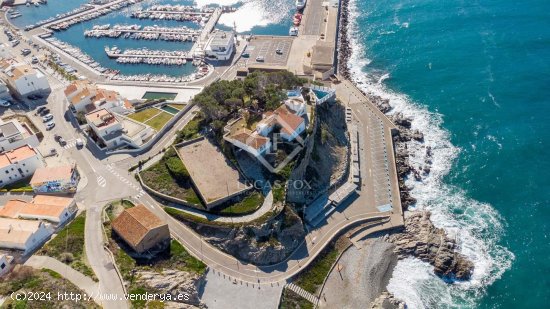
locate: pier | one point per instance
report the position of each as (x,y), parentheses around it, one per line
(147,33)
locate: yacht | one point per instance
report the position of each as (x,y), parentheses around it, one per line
(300,4)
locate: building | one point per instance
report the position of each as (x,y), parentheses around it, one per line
(24,80)
(25,235)
(55,209)
(4,91)
(5,51)
(15,134)
(111,131)
(220,45)
(141,229)
(86,97)
(249,141)
(60,179)
(18,164)
(290,124)
(6,262)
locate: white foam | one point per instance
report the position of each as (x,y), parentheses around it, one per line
(256,13)
(476,226)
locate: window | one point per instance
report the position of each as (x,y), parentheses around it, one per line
(3,266)
(7,172)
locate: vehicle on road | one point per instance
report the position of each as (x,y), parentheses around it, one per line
(260,59)
(50,125)
(4,103)
(246,54)
(79,143)
(62,141)
(47,118)
(32,97)
(14,43)
(34,60)
(40,109)
(26,52)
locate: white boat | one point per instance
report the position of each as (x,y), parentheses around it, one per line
(293,31)
(300,4)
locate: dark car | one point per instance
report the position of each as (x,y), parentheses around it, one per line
(32,97)
(39,96)
(45,112)
(40,109)
(62,141)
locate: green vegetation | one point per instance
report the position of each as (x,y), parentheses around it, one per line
(278,193)
(169,176)
(116,207)
(313,276)
(258,92)
(159,120)
(291,300)
(45,281)
(59,69)
(144,115)
(248,205)
(191,130)
(68,246)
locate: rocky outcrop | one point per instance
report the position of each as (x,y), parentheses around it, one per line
(430,244)
(262,244)
(344,44)
(175,282)
(386,300)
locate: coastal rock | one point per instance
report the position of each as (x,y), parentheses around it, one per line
(175,282)
(423,240)
(386,300)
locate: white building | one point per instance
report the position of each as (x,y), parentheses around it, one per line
(5,263)
(18,164)
(220,45)
(14,134)
(249,141)
(25,235)
(86,97)
(5,51)
(23,80)
(112,132)
(55,209)
(290,123)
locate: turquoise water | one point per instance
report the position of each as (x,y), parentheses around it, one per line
(475,75)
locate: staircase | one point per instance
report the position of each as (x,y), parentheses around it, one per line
(305,294)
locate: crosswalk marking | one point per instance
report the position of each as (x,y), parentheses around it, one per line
(110,168)
(305,294)
(70,144)
(101,181)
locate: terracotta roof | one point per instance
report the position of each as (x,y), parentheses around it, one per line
(134,223)
(80,95)
(70,89)
(251,139)
(15,155)
(35,210)
(101,118)
(76,85)
(288,121)
(12,208)
(45,174)
(107,95)
(42,199)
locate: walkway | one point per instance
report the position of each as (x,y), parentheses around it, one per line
(305,294)
(83,282)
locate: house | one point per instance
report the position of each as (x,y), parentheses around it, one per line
(86,97)
(15,134)
(220,45)
(18,164)
(113,131)
(55,209)
(249,141)
(23,80)
(6,262)
(141,229)
(290,124)
(25,235)
(60,179)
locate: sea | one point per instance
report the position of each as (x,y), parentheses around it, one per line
(475,78)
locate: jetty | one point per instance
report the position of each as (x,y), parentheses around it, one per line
(148,56)
(136,32)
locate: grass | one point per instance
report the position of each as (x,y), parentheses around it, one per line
(191,130)
(159,178)
(248,205)
(47,283)
(19,186)
(159,120)
(313,276)
(116,207)
(68,246)
(145,114)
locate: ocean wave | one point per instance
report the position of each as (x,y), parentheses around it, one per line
(256,13)
(476,226)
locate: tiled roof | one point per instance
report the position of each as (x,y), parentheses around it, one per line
(251,139)
(134,223)
(15,155)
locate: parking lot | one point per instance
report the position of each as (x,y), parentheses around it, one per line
(273,50)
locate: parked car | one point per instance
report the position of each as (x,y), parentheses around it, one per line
(4,103)
(50,125)
(62,141)
(14,43)
(56,137)
(26,52)
(246,54)
(38,96)
(34,60)
(47,118)
(79,143)
(45,112)
(260,59)
(278,51)
(32,97)
(40,109)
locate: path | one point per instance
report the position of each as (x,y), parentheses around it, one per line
(81,281)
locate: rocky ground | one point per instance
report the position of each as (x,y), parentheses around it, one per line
(175,283)
(386,300)
(261,244)
(423,240)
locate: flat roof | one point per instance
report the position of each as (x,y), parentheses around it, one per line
(221,38)
(323,53)
(8,129)
(102,118)
(43,199)
(18,231)
(15,155)
(45,174)
(212,174)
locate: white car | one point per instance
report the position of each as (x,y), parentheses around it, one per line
(4,103)
(79,143)
(50,125)
(47,118)
(260,59)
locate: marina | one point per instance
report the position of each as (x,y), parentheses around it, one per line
(147,56)
(175,12)
(136,32)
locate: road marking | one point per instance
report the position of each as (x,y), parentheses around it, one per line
(101,181)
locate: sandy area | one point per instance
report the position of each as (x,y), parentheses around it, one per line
(365,274)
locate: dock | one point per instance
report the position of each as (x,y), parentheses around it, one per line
(206,30)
